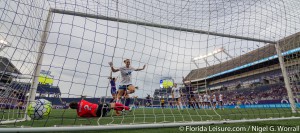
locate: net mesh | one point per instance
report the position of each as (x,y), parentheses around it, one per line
(80,44)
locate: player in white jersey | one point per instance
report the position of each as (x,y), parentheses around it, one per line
(125,86)
(176,94)
(214,100)
(221,101)
(208,101)
(205,100)
(200,100)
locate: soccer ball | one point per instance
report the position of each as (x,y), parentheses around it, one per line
(39,109)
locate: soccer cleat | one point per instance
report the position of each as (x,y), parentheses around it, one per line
(130,109)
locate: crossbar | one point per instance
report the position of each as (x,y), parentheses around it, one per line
(81,14)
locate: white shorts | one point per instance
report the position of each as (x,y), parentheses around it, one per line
(177,97)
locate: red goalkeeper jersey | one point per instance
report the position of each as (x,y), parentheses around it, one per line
(86,109)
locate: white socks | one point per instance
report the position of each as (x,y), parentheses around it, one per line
(180,105)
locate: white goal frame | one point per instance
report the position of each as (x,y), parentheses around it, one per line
(39,61)
(136,126)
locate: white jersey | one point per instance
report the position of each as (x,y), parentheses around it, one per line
(208,97)
(205,97)
(176,92)
(200,98)
(220,97)
(126,75)
(214,98)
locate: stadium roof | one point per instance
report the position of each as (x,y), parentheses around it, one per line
(7,68)
(245,60)
(40,89)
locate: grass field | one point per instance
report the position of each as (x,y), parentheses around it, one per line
(68,118)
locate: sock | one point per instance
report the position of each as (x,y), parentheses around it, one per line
(192,105)
(119,106)
(118,100)
(127,102)
(180,105)
(196,104)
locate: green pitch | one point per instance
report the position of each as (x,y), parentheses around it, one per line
(68,117)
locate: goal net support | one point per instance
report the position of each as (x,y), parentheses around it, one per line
(256,77)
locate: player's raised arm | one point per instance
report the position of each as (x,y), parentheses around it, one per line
(181,93)
(139,69)
(187,82)
(112,67)
(183,81)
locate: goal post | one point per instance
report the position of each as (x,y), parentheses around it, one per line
(286,78)
(39,62)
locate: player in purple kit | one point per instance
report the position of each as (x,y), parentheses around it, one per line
(21,98)
(148,103)
(113,89)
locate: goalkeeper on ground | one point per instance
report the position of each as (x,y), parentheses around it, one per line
(87,109)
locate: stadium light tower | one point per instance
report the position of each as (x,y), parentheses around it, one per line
(3,44)
(213,53)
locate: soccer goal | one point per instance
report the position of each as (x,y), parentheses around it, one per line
(194,62)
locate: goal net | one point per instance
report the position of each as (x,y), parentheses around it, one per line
(191,62)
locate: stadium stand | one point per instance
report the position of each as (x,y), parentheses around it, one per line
(260,53)
(261,83)
(7,70)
